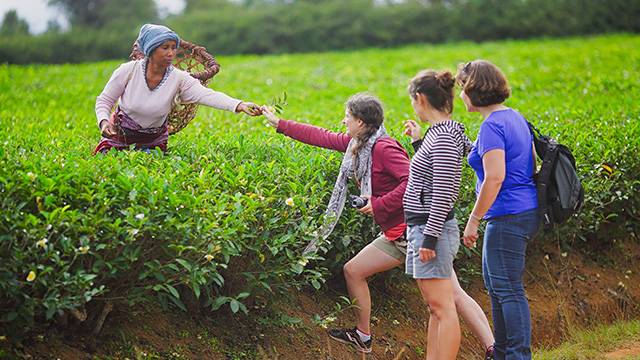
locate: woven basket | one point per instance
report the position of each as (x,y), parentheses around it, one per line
(200,64)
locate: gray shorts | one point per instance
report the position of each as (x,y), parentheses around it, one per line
(447,247)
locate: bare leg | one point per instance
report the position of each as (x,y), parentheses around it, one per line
(367,262)
(472,314)
(443,319)
(432,339)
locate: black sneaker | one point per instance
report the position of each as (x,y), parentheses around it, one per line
(488,355)
(349,336)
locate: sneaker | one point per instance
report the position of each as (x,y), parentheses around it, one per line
(488,355)
(349,336)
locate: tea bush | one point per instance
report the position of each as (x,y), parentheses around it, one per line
(211,215)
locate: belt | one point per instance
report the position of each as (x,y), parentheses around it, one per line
(421,219)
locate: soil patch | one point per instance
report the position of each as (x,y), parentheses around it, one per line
(566,291)
(629,351)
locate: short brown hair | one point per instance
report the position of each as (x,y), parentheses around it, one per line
(483,82)
(436,86)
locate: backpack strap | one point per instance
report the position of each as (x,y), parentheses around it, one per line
(538,140)
(543,181)
(534,130)
(547,151)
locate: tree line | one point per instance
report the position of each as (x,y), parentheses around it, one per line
(102,29)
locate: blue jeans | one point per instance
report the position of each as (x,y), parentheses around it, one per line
(503,259)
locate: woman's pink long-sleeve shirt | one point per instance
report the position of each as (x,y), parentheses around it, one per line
(389,168)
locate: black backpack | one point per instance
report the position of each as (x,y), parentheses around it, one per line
(560,193)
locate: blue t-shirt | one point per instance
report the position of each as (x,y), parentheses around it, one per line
(507,130)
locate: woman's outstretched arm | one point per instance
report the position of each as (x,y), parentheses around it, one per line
(308,134)
(192,91)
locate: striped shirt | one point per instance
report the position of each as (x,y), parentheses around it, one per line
(434,178)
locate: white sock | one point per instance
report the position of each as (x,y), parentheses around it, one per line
(364,337)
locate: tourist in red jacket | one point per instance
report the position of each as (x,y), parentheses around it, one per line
(380,167)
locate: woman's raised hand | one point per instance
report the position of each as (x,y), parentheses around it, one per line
(272,119)
(249,108)
(107,129)
(412,129)
(367,209)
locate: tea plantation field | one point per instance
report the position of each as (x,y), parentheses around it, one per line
(211,216)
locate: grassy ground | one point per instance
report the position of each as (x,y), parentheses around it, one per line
(618,341)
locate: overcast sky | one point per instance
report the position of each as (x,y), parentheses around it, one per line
(38,14)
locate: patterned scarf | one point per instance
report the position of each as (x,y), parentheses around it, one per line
(362,174)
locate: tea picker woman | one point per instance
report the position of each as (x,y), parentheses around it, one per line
(145,90)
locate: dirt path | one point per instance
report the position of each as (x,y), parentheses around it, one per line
(630,351)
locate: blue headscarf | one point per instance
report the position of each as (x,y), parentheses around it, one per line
(151,36)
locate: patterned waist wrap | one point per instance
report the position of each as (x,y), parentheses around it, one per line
(130,132)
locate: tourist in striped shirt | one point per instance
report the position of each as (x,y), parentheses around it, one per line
(467,307)
(432,233)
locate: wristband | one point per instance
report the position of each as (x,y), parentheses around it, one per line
(476,217)
(429,242)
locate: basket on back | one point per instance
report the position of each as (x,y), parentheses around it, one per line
(200,64)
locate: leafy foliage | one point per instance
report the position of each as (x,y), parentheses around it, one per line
(106,29)
(101,13)
(211,216)
(13,25)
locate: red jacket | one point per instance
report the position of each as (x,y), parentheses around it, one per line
(389,168)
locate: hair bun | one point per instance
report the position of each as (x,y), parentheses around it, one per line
(445,79)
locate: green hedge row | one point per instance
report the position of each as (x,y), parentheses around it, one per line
(211,217)
(306,26)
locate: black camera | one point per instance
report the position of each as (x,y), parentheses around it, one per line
(357,202)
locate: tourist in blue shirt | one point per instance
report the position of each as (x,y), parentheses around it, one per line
(504,162)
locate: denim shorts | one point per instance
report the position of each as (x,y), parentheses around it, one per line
(440,267)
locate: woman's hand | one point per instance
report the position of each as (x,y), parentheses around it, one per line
(271,117)
(470,235)
(249,108)
(367,209)
(426,254)
(107,129)
(411,128)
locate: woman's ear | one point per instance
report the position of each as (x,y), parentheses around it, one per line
(421,99)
